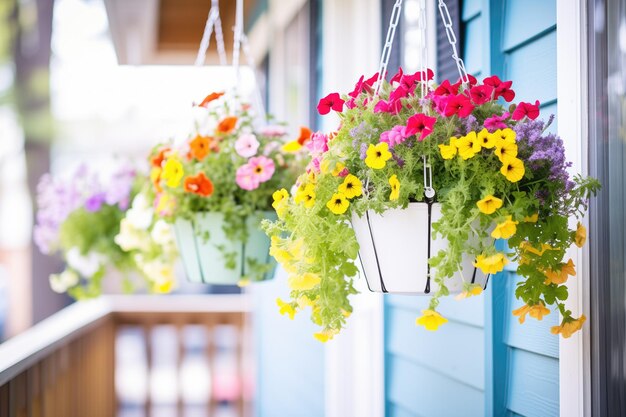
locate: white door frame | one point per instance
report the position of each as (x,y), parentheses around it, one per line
(572,83)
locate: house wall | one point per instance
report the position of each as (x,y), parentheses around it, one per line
(483,358)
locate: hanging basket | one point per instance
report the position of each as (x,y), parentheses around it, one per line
(204,259)
(395,248)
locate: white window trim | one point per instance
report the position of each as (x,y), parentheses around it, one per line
(572,82)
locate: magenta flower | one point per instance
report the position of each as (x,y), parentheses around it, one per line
(247,145)
(391,107)
(459,105)
(394,136)
(481,94)
(526,110)
(419,124)
(446,89)
(400,92)
(496,122)
(331,102)
(396,78)
(501,88)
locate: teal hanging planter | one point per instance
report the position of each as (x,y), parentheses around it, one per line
(211,257)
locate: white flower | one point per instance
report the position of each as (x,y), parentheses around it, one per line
(162,233)
(247,145)
(63,281)
(161,274)
(131,238)
(85,265)
(141,212)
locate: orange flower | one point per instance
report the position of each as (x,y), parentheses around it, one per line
(227,125)
(157,161)
(210,98)
(305,135)
(199,184)
(536,311)
(569,327)
(560,277)
(200,147)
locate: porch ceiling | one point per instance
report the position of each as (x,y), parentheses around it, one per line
(148,32)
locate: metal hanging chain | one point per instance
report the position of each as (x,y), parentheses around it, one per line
(423,67)
(447,22)
(386,54)
(429,191)
(213,22)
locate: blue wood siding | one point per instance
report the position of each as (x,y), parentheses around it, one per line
(483,359)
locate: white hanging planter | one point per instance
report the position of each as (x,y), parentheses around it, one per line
(395,248)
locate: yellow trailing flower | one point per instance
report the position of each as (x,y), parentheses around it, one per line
(173,172)
(377,155)
(569,326)
(304,302)
(486,139)
(489,204)
(430,319)
(505,229)
(338,204)
(513,169)
(448,151)
(285,308)
(325,335)
(472,290)
(351,187)
(505,150)
(491,264)
(536,311)
(527,247)
(339,167)
(468,145)
(581,235)
(280,201)
(504,135)
(560,277)
(293,146)
(532,219)
(395,187)
(306,195)
(304,282)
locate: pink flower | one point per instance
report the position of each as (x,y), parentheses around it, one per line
(318,143)
(400,92)
(419,123)
(331,102)
(247,145)
(526,110)
(446,89)
(496,122)
(459,105)
(396,78)
(383,106)
(258,170)
(360,86)
(481,94)
(393,136)
(371,80)
(472,80)
(501,88)
(410,81)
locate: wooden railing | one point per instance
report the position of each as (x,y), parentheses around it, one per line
(66,365)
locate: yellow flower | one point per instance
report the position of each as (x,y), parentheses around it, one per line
(532,219)
(280,201)
(339,167)
(468,145)
(581,235)
(304,302)
(447,151)
(325,335)
(431,320)
(166,203)
(513,169)
(505,229)
(560,277)
(285,308)
(505,150)
(472,290)
(304,282)
(395,187)
(491,264)
(338,204)
(244,282)
(306,195)
(293,146)
(569,326)
(536,311)
(285,251)
(173,172)
(377,155)
(486,139)
(506,135)
(489,204)
(351,187)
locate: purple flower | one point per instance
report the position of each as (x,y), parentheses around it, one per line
(394,136)
(120,187)
(95,202)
